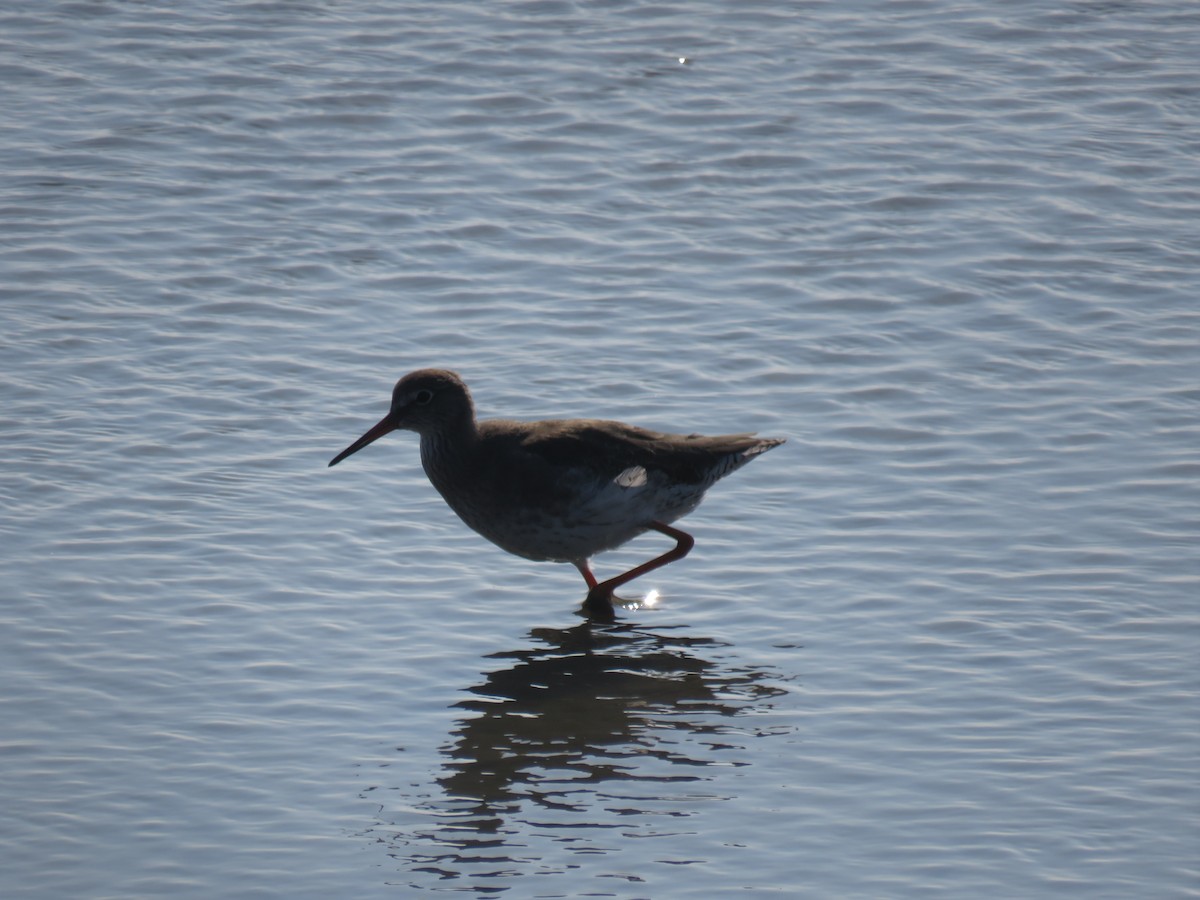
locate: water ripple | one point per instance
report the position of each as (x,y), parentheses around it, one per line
(938,643)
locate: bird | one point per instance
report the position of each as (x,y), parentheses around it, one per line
(559,490)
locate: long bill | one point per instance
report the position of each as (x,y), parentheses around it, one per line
(378,430)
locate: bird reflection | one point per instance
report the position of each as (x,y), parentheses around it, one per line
(550,735)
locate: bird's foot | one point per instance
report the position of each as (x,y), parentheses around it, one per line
(599,604)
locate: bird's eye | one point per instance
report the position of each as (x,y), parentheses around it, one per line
(423,396)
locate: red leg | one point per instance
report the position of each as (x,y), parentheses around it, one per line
(586,573)
(599,598)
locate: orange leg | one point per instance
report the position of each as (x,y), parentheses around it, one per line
(599,598)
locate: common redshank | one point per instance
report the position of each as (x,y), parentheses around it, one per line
(559,489)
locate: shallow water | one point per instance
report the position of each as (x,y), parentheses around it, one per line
(942,642)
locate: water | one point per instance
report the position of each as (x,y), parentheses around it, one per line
(941,643)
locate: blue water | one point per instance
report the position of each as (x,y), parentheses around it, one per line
(941,643)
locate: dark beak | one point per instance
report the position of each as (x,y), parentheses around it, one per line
(385,425)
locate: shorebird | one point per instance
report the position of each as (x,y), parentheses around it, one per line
(559,489)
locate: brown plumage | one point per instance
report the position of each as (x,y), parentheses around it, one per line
(559,489)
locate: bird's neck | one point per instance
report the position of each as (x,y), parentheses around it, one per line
(449,449)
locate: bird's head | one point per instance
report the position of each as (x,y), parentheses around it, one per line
(425,401)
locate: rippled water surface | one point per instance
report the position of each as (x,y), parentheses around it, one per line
(941,643)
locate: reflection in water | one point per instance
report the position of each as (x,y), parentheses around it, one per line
(594,728)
